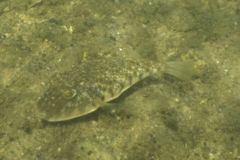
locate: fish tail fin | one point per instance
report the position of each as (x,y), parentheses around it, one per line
(183,70)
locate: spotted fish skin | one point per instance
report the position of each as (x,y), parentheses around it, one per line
(90,85)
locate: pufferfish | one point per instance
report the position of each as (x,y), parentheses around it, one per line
(91,84)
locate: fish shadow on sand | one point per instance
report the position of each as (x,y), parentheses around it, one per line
(106,109)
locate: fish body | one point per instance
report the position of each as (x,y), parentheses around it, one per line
(90,85)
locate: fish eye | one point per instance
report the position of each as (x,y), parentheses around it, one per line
(69,93)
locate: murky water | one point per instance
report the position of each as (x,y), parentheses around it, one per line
(159,118)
